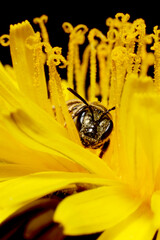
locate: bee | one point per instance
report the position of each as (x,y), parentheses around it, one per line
(93,122)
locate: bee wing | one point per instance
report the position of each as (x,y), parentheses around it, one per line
(74,106)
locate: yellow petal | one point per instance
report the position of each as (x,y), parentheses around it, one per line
(16,99)
(15,151)
(8,171)
(15,155)
(95,210)
(27,64)
(139,226)
(139,118)
(18,192)
(38,137)
(158,236)
(7,86)
(37,130)
(9,69)
(155,206)
(148,158)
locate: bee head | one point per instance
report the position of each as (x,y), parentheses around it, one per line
(93,123)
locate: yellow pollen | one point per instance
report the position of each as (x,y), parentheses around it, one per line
(93,34)
(41,21)
(56,92)
(76,38)
(156,48)
(4,40)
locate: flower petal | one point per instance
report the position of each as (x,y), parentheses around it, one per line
(15,156)
(18,192)
(38,137)
(29,72)
(14,99)
(8,171)
(138,121)
(95,210)
(148,154)
(138,226)
(11,99)
(155,206)
(37,130)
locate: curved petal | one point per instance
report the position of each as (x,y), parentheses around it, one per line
(17,192)
(31,155)
(29,71)
(8,171)
(155,206)
(36,136)
(37,130)
(138,226)
(13,99)
(14,155)
(95,210)
(138,120)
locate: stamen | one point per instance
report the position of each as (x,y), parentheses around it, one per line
(68,28)
(103,53)
(4,40)
(57,98)
(140,29)
(55,92)
(84,69)
(156,48)
(93,34)
(77,37)
(93,70)
(34,43)
(57,57)
(119,67)
(41,21)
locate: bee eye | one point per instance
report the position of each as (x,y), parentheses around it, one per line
(80,119)
(108,130)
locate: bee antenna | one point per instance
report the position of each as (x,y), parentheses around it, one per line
(77,95)
(113,108)
(82,99)
(108,110)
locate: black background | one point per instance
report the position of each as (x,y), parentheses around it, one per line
(92,13)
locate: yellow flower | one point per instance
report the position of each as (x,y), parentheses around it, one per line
(41,153)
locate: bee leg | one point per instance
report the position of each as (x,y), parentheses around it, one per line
(104,148)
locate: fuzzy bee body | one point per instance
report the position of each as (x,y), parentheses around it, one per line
(93,121)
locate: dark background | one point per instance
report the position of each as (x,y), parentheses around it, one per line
(91,13)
